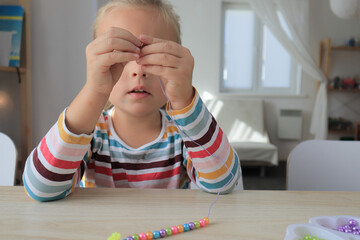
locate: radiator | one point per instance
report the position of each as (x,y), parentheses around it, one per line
(290,124)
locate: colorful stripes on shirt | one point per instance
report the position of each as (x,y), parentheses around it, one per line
(191,145)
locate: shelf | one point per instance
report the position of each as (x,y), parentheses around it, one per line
(355,90)
(325,50)
(341,131)
(11,69)
(345,48)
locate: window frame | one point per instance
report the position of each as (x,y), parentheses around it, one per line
(259,42)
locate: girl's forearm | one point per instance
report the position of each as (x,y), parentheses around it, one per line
(84,111)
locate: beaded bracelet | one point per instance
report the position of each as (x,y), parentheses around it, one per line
(164,232)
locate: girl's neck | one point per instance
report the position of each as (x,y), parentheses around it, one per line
(136,131)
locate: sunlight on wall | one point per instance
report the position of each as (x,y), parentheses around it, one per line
(212,104)
(242,132)
(237,129)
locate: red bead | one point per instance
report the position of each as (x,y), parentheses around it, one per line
(142,236)
(202,223)
(180,228)
(174,230)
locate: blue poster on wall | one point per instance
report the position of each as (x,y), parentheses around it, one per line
(11,22)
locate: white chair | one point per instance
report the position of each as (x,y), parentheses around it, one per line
(242,120)
(324,165)
(8,156)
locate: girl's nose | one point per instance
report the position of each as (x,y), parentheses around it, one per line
(139,73)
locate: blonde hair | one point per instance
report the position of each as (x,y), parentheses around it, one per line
(165,9)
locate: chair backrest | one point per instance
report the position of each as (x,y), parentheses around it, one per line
(324,165)
(8,159)
(242,120)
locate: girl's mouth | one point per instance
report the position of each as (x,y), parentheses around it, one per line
(139,93)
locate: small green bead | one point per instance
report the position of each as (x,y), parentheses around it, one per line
(307,237)
(168,231)
(135,237)
(197,224)
(315,238)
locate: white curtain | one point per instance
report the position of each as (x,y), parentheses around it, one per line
(296,15)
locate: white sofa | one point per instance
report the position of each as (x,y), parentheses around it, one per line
(243,122)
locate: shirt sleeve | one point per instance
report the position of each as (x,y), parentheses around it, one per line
(55,166)
(212,162)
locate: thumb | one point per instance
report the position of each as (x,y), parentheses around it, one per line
(116,71)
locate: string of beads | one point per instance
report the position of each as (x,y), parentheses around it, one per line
(162,233)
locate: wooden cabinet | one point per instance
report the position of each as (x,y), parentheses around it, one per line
(23,76)
(341,66)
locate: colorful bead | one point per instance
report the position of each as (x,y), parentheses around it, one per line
(156,234)
(174,230)
(168,231)
(114,236)
(142,236)
(351,227)
(180,228)
(202,222)
(197,224)
(162,233)
(186,227)
(135,236)
(191,225)
(149,235)
(206,220)
(129,238)
(352,222)
(309,237)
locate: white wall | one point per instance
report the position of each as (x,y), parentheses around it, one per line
(60,32)
(62,29)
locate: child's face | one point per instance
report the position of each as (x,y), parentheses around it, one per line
(137,20)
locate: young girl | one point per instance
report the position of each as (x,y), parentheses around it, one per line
(137,63)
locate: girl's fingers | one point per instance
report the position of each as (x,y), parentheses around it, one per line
(115,32)
(115,39)
(155,45)
(147,40)
(160,59)
(109,44)
(106,60)
(158,70)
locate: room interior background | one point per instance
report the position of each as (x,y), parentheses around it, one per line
(60,31)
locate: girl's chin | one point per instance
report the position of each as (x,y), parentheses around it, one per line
(139,110)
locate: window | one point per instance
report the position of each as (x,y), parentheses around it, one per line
(254,61)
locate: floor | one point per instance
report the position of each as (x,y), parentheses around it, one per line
(274,179)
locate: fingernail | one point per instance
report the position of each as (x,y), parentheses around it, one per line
(143,37)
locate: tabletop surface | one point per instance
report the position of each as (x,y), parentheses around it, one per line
(96,213)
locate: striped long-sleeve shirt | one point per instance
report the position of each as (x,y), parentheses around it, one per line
(191,146)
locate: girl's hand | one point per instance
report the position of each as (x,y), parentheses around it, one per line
(174,64)
(106,57)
